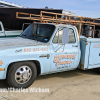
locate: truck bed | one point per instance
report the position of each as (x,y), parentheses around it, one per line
(6,29)
(90,53)
(13,32)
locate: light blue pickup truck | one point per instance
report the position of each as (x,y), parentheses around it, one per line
(45,48)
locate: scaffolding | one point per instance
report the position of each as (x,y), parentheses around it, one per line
(58,18)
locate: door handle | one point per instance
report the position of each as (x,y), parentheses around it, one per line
(74,45)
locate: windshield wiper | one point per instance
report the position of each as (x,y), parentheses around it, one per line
(24,36)
(35,38)
(32,38)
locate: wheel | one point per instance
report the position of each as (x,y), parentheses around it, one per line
(21,74)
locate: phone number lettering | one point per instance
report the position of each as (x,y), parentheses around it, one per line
(35,49)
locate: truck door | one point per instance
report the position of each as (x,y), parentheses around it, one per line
(1,30)
(64,56)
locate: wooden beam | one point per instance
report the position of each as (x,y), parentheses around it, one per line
(16,14)
(67,15)
(93,31)
(80,25)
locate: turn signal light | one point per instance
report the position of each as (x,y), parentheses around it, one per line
(2,69)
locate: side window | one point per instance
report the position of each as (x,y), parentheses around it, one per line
(0,28)
(58,34)
(71,36)
(55,39)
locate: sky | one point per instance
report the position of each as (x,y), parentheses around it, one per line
(86,8)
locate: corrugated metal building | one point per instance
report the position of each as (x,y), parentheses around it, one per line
(6,4)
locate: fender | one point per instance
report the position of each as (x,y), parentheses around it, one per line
(20,60)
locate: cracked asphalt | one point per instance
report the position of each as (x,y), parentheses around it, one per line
(71,85)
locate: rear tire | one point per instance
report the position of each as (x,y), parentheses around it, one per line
(21,74)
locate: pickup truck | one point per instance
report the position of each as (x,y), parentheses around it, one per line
(45,48)
(4,32)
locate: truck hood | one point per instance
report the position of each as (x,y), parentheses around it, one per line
(9,43)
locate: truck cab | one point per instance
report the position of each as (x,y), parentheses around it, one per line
(65,48)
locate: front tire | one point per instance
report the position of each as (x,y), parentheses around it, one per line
(21,74)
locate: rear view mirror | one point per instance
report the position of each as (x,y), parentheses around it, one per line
(65,36)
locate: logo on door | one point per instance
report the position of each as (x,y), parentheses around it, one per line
(61,59)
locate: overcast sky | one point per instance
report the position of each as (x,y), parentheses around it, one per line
(87,8)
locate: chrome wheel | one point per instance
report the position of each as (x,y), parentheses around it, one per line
(23,74)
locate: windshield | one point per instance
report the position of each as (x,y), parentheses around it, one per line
(39,32)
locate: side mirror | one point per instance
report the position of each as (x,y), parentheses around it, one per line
(65,36)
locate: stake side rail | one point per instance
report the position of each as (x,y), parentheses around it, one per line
(51,17)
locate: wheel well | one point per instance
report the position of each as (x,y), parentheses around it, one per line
(37,63)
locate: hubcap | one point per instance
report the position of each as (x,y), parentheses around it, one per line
(23,74)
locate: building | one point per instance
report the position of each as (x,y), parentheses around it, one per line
(6,4)
(8,14)
(68,13)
